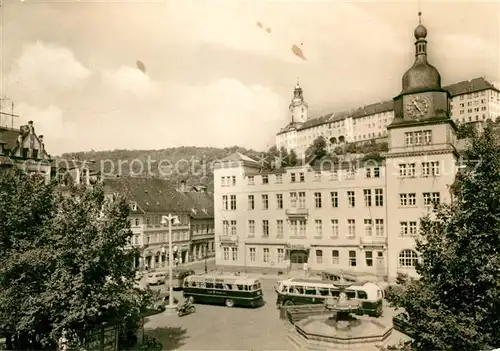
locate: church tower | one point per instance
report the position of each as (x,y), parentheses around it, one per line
(421,161)
(298,107)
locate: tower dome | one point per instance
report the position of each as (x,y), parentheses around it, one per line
(422,76)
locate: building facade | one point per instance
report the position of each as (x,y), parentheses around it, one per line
(471,101)
(25,149)
(360,215)
(152,198)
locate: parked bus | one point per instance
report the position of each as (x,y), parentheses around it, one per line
(227,290)
(334,275)
(297,291)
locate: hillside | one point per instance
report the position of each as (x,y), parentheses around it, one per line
(189,163)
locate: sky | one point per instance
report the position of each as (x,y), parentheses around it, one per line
(220,73)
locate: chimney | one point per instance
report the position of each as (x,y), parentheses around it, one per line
(42,146)
(31,129)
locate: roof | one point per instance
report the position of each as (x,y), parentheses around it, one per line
(8,136)
(469,86)
(237,156)
(202,204)
(464,87)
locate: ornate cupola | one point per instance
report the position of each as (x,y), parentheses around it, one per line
(298,106)
(422,76)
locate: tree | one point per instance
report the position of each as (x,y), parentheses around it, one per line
(465,130)
(317,149)
(292,158)
(285,157)
(64,265)
(454,304)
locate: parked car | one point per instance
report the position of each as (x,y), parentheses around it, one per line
(156,278)
(401,323)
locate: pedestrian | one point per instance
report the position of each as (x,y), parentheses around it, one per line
(146,267)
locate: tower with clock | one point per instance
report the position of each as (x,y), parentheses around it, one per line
(420,164)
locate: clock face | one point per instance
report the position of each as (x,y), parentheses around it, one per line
(417,107)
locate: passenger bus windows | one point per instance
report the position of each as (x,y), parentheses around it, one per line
(351,294)
(209,285)
(240,287)
(362,294)
(219,286)
(299,290)
(247,287)
(324,292)
(284,289)
(229,287)
(310,291)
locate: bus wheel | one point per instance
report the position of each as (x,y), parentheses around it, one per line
(288,303)
(229,303)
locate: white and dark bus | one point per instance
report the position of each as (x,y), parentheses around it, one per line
(297,291)
(228,290)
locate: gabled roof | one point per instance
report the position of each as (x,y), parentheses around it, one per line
(150,194)
(236,156)
(469,86)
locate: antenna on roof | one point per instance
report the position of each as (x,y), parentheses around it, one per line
(11,114)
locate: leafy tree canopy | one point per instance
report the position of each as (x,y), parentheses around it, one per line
(455,303)
(63,261)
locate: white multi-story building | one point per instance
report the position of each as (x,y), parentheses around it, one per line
(475,100)
(359,215)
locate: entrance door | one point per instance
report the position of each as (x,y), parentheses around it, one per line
(380,263)
(298,258)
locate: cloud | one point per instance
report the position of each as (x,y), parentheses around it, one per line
(50,122)
(130,81)
(43,67)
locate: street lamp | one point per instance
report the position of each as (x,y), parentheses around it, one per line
(170,220)
(206,254)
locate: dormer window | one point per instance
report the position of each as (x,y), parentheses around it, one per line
(25,152)
(35,153)
(133,206)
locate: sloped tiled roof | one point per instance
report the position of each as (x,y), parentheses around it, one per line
(372,109)
(469,86)
(8,137)
(150,194)
(202,204)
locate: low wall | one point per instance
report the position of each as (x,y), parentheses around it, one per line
(296,313)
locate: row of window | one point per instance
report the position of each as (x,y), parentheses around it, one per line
(299,177)
(156,220)
(408,170)
(410,199)
(156,238)
(200,229)
(418,138)
(297,228)
(371,197)
(407,258)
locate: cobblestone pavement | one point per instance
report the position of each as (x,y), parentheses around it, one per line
(222,328)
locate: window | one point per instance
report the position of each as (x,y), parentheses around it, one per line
(352,258)
(351,173)
(431,198)
(317,200)
(335,228)
(293,228)
(233,202)
(225,205)
(368,172)
(148,221)
(223,181)
(403,228)
(317,176)
(266,255)
(265,179)
(265,202)
(302,228)
(279,228)
(35,154)
(368,197)
(406,200)
(136,222)
(412,226)
(427,137)
(351,228)
(369,258)
(233,228)
(408,259)
(225,227)
(379,227)
(319,256)
(252,254)
(251,180)
(251,227)
(292,177)
(334,174)
(233,180)
(335,257)
(376,172)
(279,201)
(425,169)
(302,199)
(418,138)
(279,178)
(251,202)
(411,170)
(226,254)
(435,168)
(319,227)
(368,227)
(379,197)
(293,200)
(265,227)
(402,170)
(351,199)
(235,253)
(281,255)
(302,177)
(335,199)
